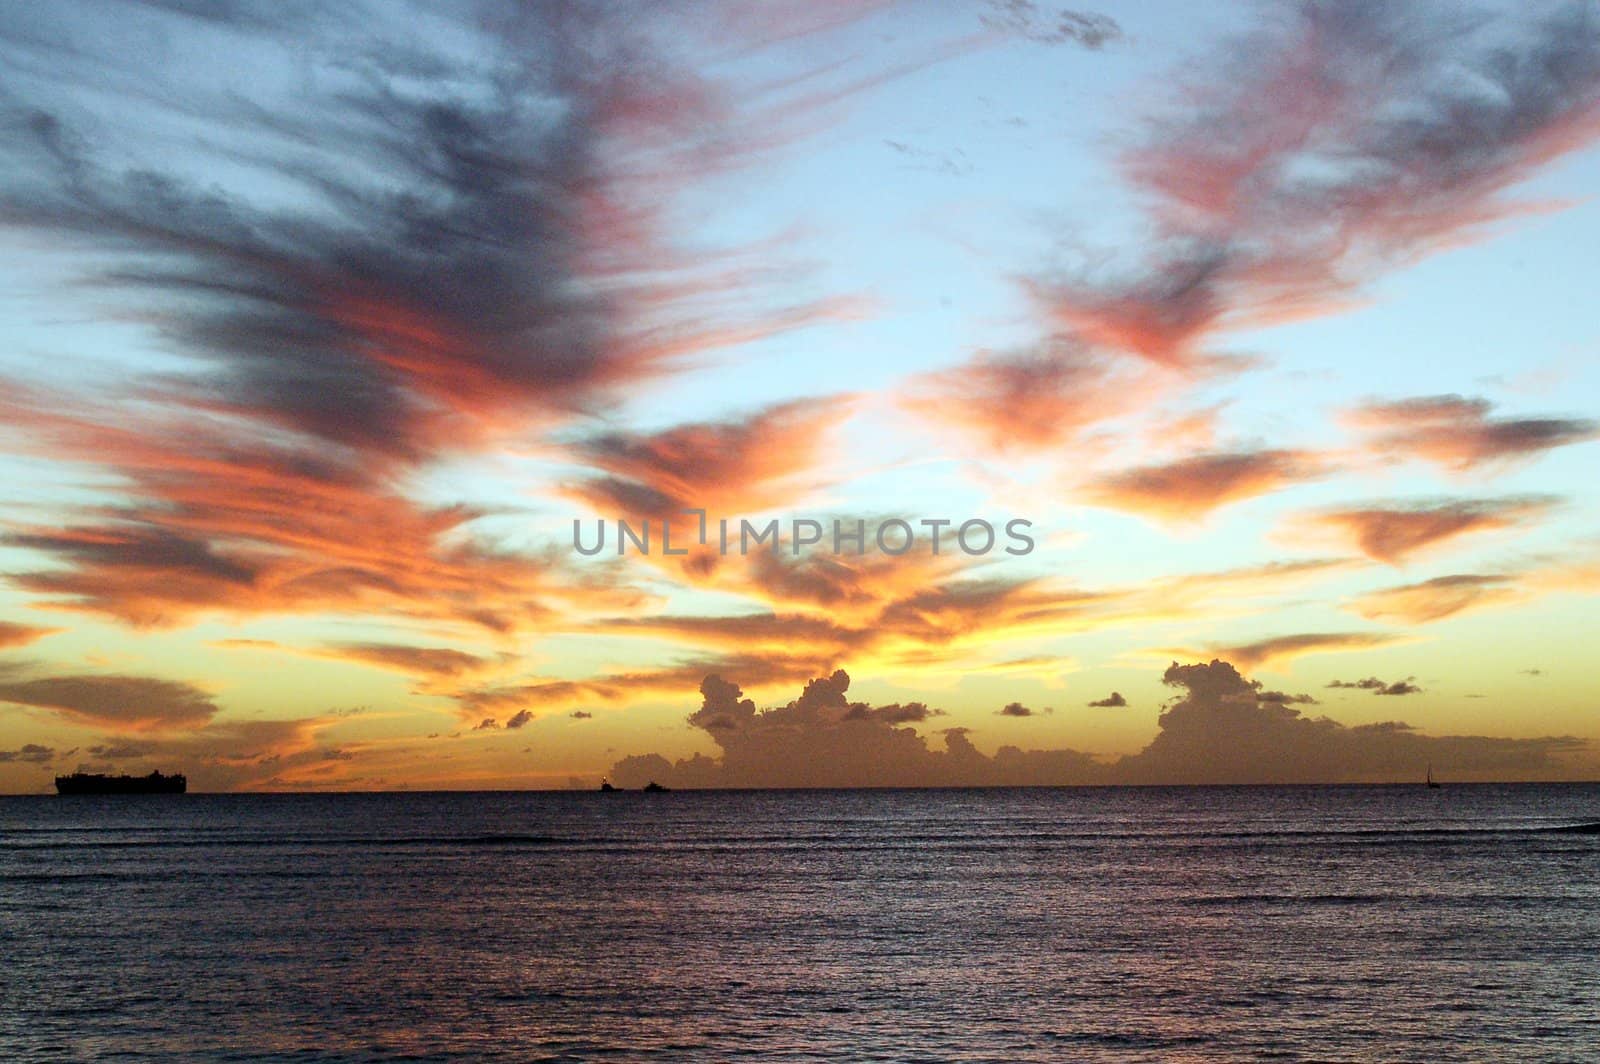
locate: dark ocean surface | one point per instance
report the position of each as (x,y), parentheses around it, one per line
(1326,923)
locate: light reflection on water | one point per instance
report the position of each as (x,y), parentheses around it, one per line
(1159,924)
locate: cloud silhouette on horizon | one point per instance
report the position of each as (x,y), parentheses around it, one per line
(1223,729)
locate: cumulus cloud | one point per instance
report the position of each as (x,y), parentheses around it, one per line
(1459,433)
(821,739)
(1015,709)
(132,703)
(519,719)
(1224,729)
(1220,731)
(1112,701)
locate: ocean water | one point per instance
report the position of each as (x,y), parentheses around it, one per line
(1326,923)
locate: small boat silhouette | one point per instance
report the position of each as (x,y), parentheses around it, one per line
(1431,781)
(605,785)
(654,788)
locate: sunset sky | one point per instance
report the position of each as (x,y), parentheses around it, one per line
(324,323)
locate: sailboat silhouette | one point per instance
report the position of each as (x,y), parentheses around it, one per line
(1431,781)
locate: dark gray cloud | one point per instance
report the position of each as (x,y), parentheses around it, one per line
(519,719)
(821,739)
(29,754)
(1283,698)
(1112,701)
(1222,729)
(1380,687)
(136,703)
(1014,709)
(1221,732)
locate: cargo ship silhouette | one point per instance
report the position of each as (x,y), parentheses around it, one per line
(93,783)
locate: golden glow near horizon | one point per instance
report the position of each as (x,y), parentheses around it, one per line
(1273,328)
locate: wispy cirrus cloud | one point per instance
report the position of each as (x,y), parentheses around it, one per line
(1340,141)
(1267,652)
(1394,533)
(937,619)
(1461,434)
(21,635)
(738,466)
(435,244)
(1438,598)
(121,702)
(1044,397)
(1188,489)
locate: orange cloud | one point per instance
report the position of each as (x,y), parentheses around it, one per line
(1034,399)
(21,635)
(1393,534)
(231,755)
(731,467)
(1436,599)
(1284,647)
(1459,433)
(1190,488)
